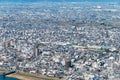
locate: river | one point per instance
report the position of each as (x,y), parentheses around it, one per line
(7,78)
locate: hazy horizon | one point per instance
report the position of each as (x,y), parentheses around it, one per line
(59,0)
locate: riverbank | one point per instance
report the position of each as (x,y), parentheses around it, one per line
(27,76)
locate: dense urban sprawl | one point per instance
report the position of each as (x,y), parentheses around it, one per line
(71,41)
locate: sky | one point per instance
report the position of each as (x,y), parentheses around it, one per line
(59,0)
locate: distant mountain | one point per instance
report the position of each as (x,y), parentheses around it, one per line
(59,0)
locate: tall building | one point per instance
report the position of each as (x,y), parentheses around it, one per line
(19,48)
(37,51)
(68,63)
(6,44)
(119,59)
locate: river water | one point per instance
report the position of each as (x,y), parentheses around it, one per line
(8,78)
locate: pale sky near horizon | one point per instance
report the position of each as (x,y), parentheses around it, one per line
(62,0)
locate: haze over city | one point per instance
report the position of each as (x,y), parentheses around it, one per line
(60,39)
(60,0)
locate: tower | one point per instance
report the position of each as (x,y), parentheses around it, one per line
(68,63)
(37,51)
